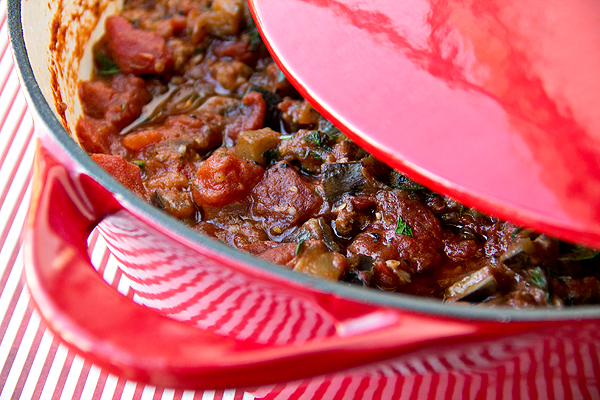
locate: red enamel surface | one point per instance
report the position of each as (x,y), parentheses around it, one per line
(496,103)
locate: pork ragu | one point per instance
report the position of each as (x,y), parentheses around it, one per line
(188,110)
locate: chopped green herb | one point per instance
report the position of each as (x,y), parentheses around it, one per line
(317,156)
(402,227)
(299,247)
(331,131)
(106,66)
(255,40)
(514,233)
(579,253)
(139,163)
(281,77)
(538,278)
(123,106)
(271,156)
(317,139)
(286,137)
(306,170)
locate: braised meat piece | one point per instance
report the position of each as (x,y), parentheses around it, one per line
(127,173)
(136,51)
(283,199)
(224,178)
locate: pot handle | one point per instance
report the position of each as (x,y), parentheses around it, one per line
(139,344)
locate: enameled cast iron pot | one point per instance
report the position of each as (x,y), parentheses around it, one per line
(213,317)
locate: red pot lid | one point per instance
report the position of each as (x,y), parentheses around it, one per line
(495,103)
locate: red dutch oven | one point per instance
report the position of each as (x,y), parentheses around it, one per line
(212,317)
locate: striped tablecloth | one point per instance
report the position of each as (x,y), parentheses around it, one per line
(34,364)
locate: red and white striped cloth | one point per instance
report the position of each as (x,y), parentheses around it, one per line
(33,363)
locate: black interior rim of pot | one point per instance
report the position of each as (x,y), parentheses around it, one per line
(39,105)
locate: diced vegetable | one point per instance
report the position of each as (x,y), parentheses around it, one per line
(177,203)
(474,287)
(315,259)
(252,145)
(342,178)
(317,228)
(519,254)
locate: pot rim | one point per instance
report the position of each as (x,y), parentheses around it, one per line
(178,230)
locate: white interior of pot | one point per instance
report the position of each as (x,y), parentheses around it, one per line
(57,37)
